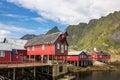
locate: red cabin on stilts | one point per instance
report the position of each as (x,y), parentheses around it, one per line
(78,58)
(47,47)
(101,56)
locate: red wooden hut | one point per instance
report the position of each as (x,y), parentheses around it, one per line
(101,56)
(18,53)
(48,47)
(5,52)
(78,58)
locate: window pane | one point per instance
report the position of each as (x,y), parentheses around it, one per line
(58,46)
(32,48)
(62,48)
(65,47)
(2,53)
(28,49)
(43,47)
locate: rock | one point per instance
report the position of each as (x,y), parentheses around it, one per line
(98,63)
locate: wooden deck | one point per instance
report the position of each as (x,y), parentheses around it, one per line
(18,65)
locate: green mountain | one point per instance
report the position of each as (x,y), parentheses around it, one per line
(53,30)
(103,34)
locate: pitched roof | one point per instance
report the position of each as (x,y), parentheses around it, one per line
(44,39)
(16,43)
(5,46)
(78,53)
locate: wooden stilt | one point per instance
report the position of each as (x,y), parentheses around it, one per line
(77,63)
(34,73)
(74,63)
(48,59)
(29,57)
(48,70)
(34,57)
(42,58)
(13,73)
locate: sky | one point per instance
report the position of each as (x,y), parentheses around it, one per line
(20,17)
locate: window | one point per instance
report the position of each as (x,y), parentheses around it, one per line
(2,53)
(62,48)
(43,47)
(66,47)
(33,48)
(14,51)
(80,56)
(28,49)
(58,46)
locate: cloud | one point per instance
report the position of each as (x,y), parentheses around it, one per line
(25,18)
(14,15)
(9,30)
(70,11)
(38,19)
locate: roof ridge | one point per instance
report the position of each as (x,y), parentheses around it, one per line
(16,39)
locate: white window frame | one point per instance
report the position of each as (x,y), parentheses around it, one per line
(58,46)
(28,49)
(43,47)
(62,48)
(66,47)
(33,48)
(2,53)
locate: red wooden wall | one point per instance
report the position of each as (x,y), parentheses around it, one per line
(49,50)
(19,57)
(6,58)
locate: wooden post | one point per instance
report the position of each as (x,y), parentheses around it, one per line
(13,73)
(48,59)
(34,73)
(8,74)
(81,63)
(34,57)
(56,59)
(77,63)
(48,69)
(42,58)
(74,63)
(22,71)
(29,57)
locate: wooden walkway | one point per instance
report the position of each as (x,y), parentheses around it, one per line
(18,65)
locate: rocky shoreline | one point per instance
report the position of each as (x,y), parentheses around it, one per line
(97,66)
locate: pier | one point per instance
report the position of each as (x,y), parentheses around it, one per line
(31,70)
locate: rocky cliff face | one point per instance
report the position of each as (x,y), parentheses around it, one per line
(53,30)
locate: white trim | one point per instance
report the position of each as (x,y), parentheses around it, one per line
(66,47)
(28,48)
(43,47)
(62,48)
(33,48)
(2,53)
(58,46)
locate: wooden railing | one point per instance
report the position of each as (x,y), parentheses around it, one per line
(13,64)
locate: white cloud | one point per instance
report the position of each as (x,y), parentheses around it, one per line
(9,30)
(70,11)
(14,15)
(38,19)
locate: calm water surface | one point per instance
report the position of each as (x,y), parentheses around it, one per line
(98,75)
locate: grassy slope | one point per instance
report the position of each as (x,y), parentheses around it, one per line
(97,33)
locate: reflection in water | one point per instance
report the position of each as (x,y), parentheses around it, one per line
(98,75)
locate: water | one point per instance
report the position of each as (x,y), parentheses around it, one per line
(98,75)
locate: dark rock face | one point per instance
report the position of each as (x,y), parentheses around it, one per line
(53,30)
(28,36)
